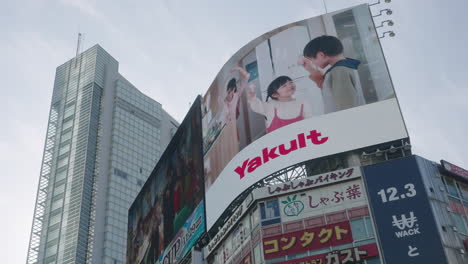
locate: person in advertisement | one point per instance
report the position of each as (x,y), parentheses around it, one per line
(231,101)
(340,84)
(284,109)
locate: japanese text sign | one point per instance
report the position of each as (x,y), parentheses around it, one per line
(349,255)
(323,200)
(308,239)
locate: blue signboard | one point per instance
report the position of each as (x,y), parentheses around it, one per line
(405,223)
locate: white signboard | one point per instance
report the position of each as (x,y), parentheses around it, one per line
(323,200)
(308,139)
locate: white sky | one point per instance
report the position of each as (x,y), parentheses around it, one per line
(172,49)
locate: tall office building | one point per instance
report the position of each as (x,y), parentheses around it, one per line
(103,139)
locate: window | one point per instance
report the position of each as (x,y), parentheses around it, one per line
(62,162)
(254,218)
(362,228)
(60,175)
(64,149)
(463,190)
(66,136)
(451,187)
(459,223)
(269,212)
(67,124)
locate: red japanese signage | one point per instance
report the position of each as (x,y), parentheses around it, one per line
(454,169)
(350,255)
(307,239)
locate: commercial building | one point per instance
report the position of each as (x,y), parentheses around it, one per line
(312,165)
(103,138)
(403,210)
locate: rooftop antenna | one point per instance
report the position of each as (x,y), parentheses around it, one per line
(78,44)
(325,6)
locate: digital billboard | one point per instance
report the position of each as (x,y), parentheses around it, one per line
(167,217)
(305,90)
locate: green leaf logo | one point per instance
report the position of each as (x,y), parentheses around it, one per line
(292,206)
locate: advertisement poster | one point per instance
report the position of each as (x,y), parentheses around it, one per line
(171,199)
(185,239)
(305,90)
(402,213)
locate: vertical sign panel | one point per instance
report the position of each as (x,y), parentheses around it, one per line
(402,213)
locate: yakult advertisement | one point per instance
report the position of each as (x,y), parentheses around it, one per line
(305,90)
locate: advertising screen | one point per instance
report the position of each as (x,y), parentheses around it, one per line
(305,90)
(167,217)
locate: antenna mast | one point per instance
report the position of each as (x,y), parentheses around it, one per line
(78,44)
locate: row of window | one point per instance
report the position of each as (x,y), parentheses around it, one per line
(458,195)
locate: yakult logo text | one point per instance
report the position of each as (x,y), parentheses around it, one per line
(250,165)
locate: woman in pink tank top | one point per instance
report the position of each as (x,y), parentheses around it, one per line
(283,109)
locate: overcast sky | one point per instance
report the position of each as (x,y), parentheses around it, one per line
(171,50)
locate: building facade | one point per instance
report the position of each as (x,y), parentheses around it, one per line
(103,138)
(399,209)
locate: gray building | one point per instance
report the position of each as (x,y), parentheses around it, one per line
(103,139)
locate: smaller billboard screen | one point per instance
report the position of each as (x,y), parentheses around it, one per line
(170,205)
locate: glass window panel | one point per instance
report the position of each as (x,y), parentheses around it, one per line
(52,250)
(60,175)
(67,124)
(451,188)
(66,136)
(459,223)
(59,189)
(369,226)
(68,112)
(464,190)
(269,209)
(54,220)
(64,149)
(62,162)
(52,235)
(358,228)
(56,204)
